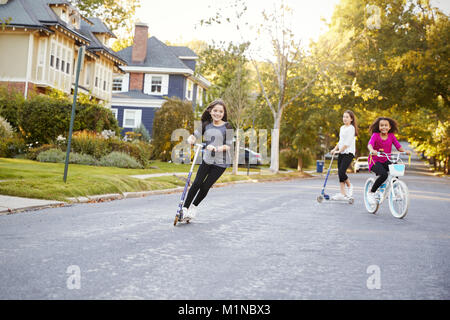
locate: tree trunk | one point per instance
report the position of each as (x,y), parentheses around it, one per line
(275,145)
(236,153)
(300,163)
(446,165)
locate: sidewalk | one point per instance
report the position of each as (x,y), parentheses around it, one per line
(10,204)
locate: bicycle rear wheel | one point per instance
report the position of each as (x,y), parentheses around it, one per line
(371,208)
(399,199)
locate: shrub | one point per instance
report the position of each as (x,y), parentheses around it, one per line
(10,101)
(172,115)
(6,131)
(90,143)
(139,150)
(119,159)
(79,158)
(52,155)
(11,147)
(42,118)
(288,159)
(142,133)
(33,153)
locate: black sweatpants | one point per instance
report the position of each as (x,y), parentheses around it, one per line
(207,175)
(382,171)
(344,160)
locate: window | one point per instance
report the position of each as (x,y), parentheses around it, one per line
(117,84)
(114,112)
(199,95)
(88,74)
(58,55)
(132,118)
(64,16)
(68,68)
(104,85)
(156,84)
(96,82)
(189,90)
(52,56)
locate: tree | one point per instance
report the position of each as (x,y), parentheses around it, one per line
(115,14)
(173,114)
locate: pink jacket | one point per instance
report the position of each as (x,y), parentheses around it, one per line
(378,143)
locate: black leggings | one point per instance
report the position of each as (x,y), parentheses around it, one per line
(207,175)
(382,171)
(344,160)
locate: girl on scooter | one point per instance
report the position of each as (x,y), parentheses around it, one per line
(346,149)
(216,158)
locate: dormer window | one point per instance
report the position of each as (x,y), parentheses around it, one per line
(64,15)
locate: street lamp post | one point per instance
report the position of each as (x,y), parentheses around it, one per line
(72,117)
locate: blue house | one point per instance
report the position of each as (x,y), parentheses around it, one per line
(154,71)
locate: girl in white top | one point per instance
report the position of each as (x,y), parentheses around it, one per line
(346,149)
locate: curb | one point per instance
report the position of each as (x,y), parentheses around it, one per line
(130,195)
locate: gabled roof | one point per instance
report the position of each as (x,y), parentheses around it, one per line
(38,14)
(159,55)
(183,52)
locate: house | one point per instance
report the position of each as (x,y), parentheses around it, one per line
(153,72)
(39,49)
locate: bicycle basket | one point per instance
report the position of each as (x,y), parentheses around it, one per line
(397,170)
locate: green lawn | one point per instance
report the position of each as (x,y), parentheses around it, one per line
(32,179)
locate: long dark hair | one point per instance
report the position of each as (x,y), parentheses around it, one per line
(375,126)
(206,116)
(352,115)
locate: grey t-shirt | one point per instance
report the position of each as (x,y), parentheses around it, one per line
(217,136)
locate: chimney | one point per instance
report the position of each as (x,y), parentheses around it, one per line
(140,43)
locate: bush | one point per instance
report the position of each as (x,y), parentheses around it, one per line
(119,159)
(173,114)
(6,131)
(52,155)
(288,159)
(90,143)
(79,158)
(139,150)
(142,133)
(10,101)
(33,153)
(11,147)
(42,118)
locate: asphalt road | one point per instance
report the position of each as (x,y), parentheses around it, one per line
(250,241)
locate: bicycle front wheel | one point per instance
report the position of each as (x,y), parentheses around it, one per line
(399,199)
(370,207)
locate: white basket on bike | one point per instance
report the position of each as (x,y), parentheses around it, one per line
(397,170)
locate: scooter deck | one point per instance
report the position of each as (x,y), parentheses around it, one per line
(320,199)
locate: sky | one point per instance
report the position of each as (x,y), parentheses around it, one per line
(178,21)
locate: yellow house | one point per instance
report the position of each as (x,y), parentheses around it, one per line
(39,42)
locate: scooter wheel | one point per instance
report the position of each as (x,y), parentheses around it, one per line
(319,199)
(175,221)
(351,201)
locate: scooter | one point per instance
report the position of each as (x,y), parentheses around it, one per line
(324,196)
(179,216)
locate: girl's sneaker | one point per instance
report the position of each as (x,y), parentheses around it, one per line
(350,191)
(185,213)
(338,196)
(192,212)
(371,198)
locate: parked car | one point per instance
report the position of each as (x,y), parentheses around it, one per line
(361,163)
